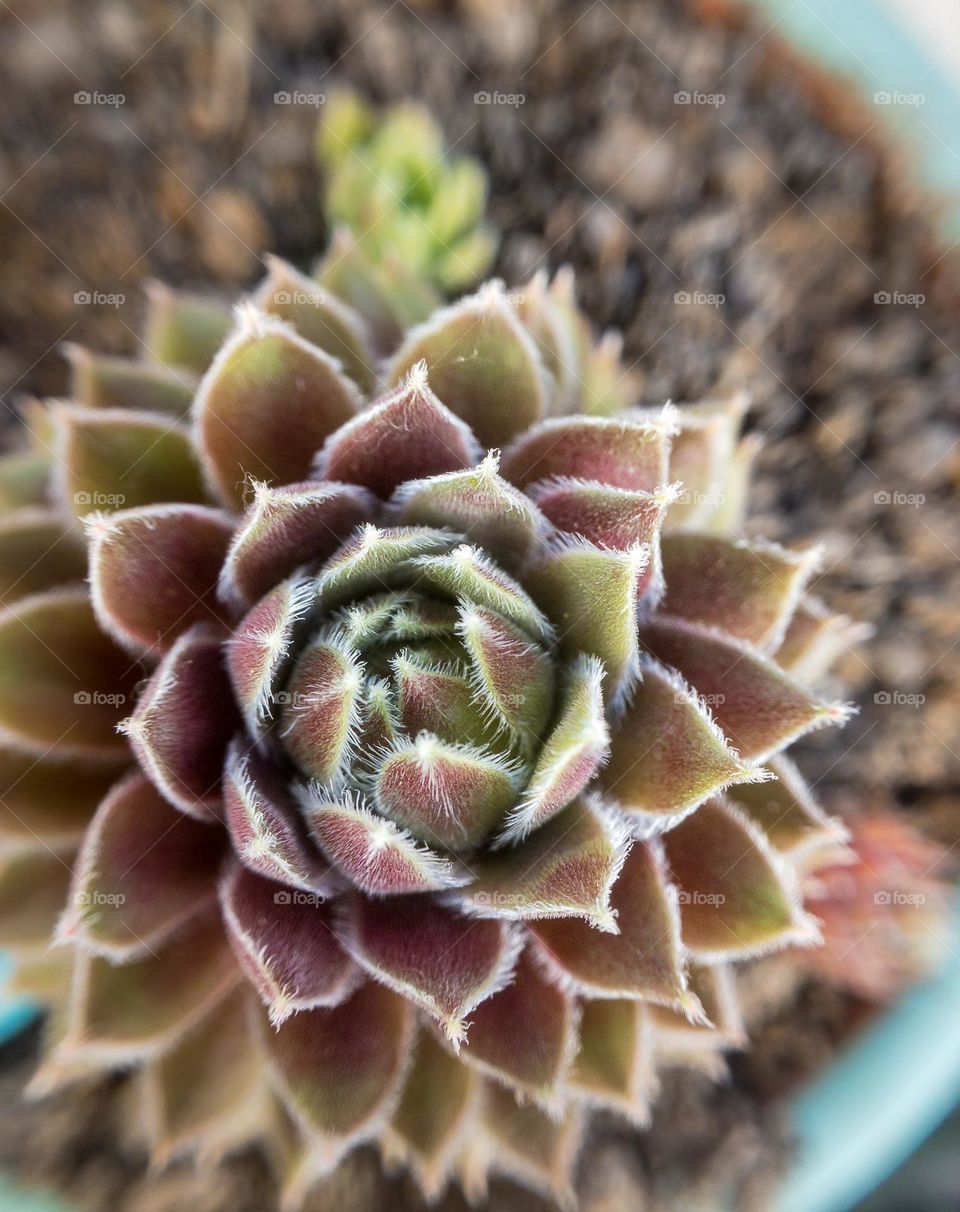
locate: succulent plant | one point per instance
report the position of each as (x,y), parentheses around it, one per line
(411,770)
(408,216)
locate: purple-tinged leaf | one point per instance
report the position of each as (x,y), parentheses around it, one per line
(758,706)
(268,833)
(320,318)
(153,572)
(748,590)
(265,406)
(443,962)
(183,722)
(701,452)
(476,503)
(262,647)
(815,638)
(375,855)
(340,1069)
(438,698)
(644,959)
(286,528)
(666,754)
(284,941)
(144,869)
(450,796)
(787,812)
(567,868)
(525,1036)
(404,435)
(322,711)
(376,559)
(606,515)
(625,452)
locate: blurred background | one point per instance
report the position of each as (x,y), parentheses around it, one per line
(760,195)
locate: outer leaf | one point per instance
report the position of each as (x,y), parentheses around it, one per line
(525,1036)
(445,963)
(700,458)
(667,755)
(629,452)
(735,898)
(63,683)
(643,960)
(265,406)
(39,550)
(785,809)
(97,381)
(602,513)
(748,590)
(435,1111)
(404,435)
(286,528)
(142,872)
(207,1097)
(24,478)
(375,855)
(567,868)
(183,723)
(284,941)
(482,363)
(111,458)
(614,1066)
(122,1013)
(320,318)
(183,330)
(33,806)
(33,888)
(340,1070)
(815,639)
(760,708)
(153,571)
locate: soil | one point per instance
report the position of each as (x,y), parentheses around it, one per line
(770,200)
